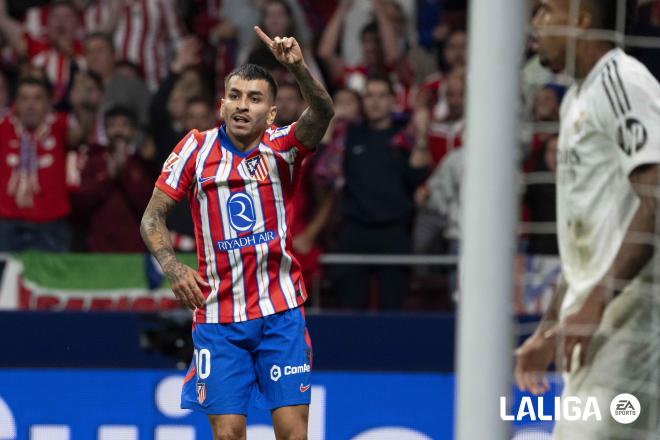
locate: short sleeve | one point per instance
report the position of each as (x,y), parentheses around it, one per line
(284,141)
(178,172)
(632,112)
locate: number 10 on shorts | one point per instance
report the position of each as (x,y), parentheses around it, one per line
(202,363)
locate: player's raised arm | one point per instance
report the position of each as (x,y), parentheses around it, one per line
(183,279)
(314,121)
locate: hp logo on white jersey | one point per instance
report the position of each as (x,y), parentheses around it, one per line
(240,209)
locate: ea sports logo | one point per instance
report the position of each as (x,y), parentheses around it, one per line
(275,373)
(625,408)
(240,209)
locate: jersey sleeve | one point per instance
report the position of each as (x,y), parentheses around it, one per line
(631,113)
(284,141)
(178,173)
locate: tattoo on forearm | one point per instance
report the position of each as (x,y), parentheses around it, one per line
(314,121)
(155,233)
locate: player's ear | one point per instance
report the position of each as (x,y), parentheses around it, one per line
(272,112)
(221,108)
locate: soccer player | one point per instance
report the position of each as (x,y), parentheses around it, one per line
(602,323)
(247,293)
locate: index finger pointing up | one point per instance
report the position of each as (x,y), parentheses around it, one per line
(263,37)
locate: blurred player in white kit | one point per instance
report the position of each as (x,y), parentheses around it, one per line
(603,326)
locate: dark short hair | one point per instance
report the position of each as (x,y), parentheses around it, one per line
(369,28)
(606,13)
(121,111)
(67,3)
(134,67)
(199,100)
(253,72)
(381,77)
(95,77)
(106,37)
(294,86)
(32,81)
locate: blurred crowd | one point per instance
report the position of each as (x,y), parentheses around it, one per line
(94,94)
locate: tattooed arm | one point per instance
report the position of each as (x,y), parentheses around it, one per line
(314,121)
(184,280)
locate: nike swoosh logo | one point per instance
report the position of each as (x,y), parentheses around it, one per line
(204,179)
(304,388)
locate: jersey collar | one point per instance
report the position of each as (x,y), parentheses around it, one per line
(225,142)
(599,66)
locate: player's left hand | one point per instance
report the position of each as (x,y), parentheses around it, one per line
(579,327)
(285,49)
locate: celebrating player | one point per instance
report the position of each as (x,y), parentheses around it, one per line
(601,323)
(249,329)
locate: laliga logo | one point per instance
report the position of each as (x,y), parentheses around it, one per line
(567,408)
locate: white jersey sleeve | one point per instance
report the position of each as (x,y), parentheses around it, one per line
(630,112)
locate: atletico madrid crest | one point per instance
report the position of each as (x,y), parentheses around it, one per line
(256,167)
(201,392)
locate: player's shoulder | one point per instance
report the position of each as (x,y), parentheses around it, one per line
(272,133)
(624,71)
(204,135)
(201,137)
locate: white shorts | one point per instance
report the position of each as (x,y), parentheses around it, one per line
(623,357)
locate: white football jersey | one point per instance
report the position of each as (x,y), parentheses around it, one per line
(610,125)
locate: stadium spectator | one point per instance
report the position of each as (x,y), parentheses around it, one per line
(431,27)
(379,49)
(432,91)
(545,113)
(127,89)
(329,164)
(97,16)
(290,103)
(219,37)
(86,97)
(438,116)
(34,200)
(244,14)
(146,32)
(59,54)
(168,106)
(540,199)
(434,230)
(115,188)
(277,18)
(454,50)
(199,115)
(6,92)
(100,55)
(377,199)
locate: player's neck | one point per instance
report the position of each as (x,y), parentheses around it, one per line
(588,55)
(243,145)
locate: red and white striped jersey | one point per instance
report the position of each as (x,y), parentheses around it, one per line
(241,205)
(97,16)
(56,64)
(145,30)
(35,21)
